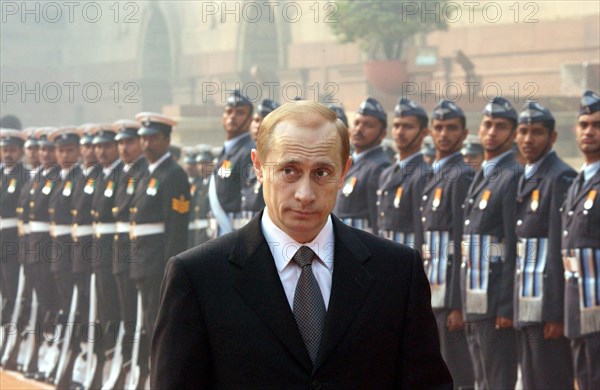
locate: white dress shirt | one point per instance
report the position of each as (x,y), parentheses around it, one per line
(152,167)
(283,248)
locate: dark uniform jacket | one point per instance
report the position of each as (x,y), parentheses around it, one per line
(60,207)
(225,322)
(231,172)
(102,206)
(23,212)
(358,197)
(10,190)
(125,191)
(199,207)
(252,194)
(581,241)
(538,229)
(443,224)
(399,199)
(161,197)
(83,194)
(490,237)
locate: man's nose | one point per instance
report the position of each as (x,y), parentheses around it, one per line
(304,191)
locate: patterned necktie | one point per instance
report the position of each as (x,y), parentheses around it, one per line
(309,308)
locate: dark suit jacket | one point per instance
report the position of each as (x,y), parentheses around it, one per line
(225,322)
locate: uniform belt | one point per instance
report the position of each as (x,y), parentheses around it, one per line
(146,229)
(198,224)
(123,227)
(103,228)
(39,227)
(82,230)
(8,223)
(571,264)
(24,228)
(60,230)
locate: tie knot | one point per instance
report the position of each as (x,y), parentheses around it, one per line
(304,256)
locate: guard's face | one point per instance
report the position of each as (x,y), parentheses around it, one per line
(88,154)
(534,141)
(588,133)
(366,132)
(406,133)
(107,153)
(31,155)
(155,146)
(11,154)
(129,149)
(301,175)
(47,156)
(448,136)
(496,135)
(255,125)
(236,120)
(67,155)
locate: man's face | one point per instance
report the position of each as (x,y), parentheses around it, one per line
(407,134)
(31,155)
(255,125)
(155,146)
(301,175)
(88,154)
(47,156)
(191,169)
(11,154)
(534,141)
(366,133)
(236,120)
(67,155)
(107,153)
(129,149)
(588,134)
(448,136)
(496,135)
(205,169)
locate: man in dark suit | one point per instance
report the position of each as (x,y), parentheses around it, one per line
(539,283)
(581,249)
(297,299)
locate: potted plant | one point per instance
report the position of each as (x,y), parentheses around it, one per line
(382,29)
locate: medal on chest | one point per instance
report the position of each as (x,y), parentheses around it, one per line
(398,197)
(68,188)
(130,186)
(484,199)
(12,185)
(589,202)
(225,169)
(437,198)
(47,187)
(89,186)
(152,189)
(349,186)
(108,192)
(535,200)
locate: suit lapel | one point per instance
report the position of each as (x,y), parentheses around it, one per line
(534,181)
(583,192)
(350,286)
(260,286)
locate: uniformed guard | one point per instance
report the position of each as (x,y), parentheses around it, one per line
(581,249)
(356,204)
(473,153)
(105,229)
(13,177)
(428,150)
(37,254)
(401,184)
(233,165)
(489,251)
(252,195)
(339,112)
(441,215)
(545,355)
(200,202)
(159,218)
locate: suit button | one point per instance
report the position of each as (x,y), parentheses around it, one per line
(467,222)
(382,213)
(315,384)
(423,219)
(471,200)
(565,233)
(378,192)
(420,208)
(570,213)
(519,222)
(385,193)
(378,203)
(424,198)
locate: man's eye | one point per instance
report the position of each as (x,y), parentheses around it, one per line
(289,173)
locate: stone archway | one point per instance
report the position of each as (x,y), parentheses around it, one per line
(155,84)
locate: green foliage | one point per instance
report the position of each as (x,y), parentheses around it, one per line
(381,27)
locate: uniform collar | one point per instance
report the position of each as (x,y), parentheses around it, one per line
(152,167)
(590,170)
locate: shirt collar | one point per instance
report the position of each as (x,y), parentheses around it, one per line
(531,169)
(229,144)
(64,173)
(107,171)
(590,170)
(488,165)
(127,167)
(403,163)
(283,247)
(152,167)
(439,164)
(356,157)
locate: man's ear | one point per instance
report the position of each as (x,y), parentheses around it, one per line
(343,177)
(256,164)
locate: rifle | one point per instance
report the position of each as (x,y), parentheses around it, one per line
(111,377)
(84,368)
(27,346)
(65,353)
(133,377)
(12,336)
